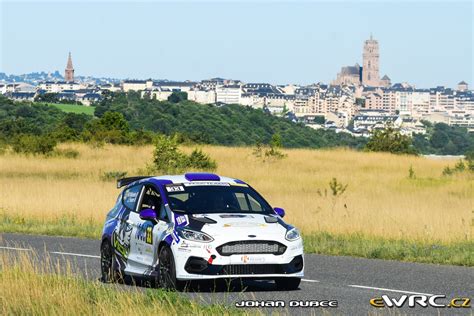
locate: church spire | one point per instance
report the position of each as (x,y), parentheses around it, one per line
(69,71)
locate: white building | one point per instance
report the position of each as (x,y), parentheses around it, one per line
(135,85)
(202,96)
(59,86)
(420,103)
(229,94)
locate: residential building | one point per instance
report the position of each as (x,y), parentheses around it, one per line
(202,96)
(228,94)
(134,85)
(59,86)
(463,86)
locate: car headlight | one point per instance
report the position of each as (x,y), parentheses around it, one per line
(193,235)
(292,234)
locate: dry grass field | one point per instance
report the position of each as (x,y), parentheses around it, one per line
(52,289)
(380,199)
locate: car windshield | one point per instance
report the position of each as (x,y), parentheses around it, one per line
(193,198)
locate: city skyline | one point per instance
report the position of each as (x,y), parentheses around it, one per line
(272,53)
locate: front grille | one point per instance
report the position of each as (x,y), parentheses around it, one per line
(246,269)
(196,265)
(251,247)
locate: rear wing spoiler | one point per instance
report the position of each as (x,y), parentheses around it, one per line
(126,181)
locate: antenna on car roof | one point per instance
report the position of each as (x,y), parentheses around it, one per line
(126,181)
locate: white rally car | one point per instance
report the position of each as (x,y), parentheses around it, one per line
(198,226)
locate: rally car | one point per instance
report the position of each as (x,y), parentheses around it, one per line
(198,226)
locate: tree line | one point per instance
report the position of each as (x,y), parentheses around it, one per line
(129,119)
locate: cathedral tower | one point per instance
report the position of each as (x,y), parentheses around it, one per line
(69,71)
(370,68)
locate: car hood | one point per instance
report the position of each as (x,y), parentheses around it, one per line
(240,225)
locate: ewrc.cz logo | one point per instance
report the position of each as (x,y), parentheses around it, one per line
(421,300)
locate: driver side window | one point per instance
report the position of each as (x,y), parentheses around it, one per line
(151,199)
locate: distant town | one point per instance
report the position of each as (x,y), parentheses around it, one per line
(358,101)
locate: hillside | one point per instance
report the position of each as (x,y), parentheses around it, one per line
(225,125)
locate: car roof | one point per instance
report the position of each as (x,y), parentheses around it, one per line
(182,179)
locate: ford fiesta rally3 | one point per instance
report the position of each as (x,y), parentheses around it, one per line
(198,226)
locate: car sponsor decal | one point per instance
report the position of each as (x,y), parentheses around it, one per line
(121,239)
(131,196)
(174,188)
(235,216)
(181,220)
(252,259)
(145,232)
(244,224)
(175,237)
(203,183)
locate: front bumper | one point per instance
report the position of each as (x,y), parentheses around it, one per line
(196,261)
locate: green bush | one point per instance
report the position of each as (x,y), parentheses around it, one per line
(31,144)
(199,160)
(167,158)
(273,151)
(390,140)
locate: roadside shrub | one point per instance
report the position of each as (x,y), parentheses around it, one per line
(273,151)
(447,171)
(460,167)
(411,173)
(36,145)
(141,137)
(337,188)
(199,160)
(390,140)
(167,158)
(470,160)
(113,175)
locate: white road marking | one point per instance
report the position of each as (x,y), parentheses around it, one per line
(73,254)
(388,290)
(307,280)
(13,248)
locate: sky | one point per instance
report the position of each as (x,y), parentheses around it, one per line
(425,43)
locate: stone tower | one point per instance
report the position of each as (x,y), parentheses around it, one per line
(69,71)
(370,68)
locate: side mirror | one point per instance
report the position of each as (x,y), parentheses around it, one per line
(279,211)
(147,214)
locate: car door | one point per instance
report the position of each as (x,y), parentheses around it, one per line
(146,234)
(122,234)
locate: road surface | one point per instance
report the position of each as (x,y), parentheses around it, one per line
(353,282)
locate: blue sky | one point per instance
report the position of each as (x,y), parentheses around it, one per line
(426,43)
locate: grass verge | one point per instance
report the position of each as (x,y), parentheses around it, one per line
(74,108)
(41,289)
(355,245)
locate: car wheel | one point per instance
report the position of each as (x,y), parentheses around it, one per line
(108,266)
(287,284)
(167,271)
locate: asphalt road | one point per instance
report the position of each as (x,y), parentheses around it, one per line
(350,281)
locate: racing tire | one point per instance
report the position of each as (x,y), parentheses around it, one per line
(287,284)
(167,271)
(108,266)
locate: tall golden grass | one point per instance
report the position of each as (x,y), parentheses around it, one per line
(34,285)
(380,200)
